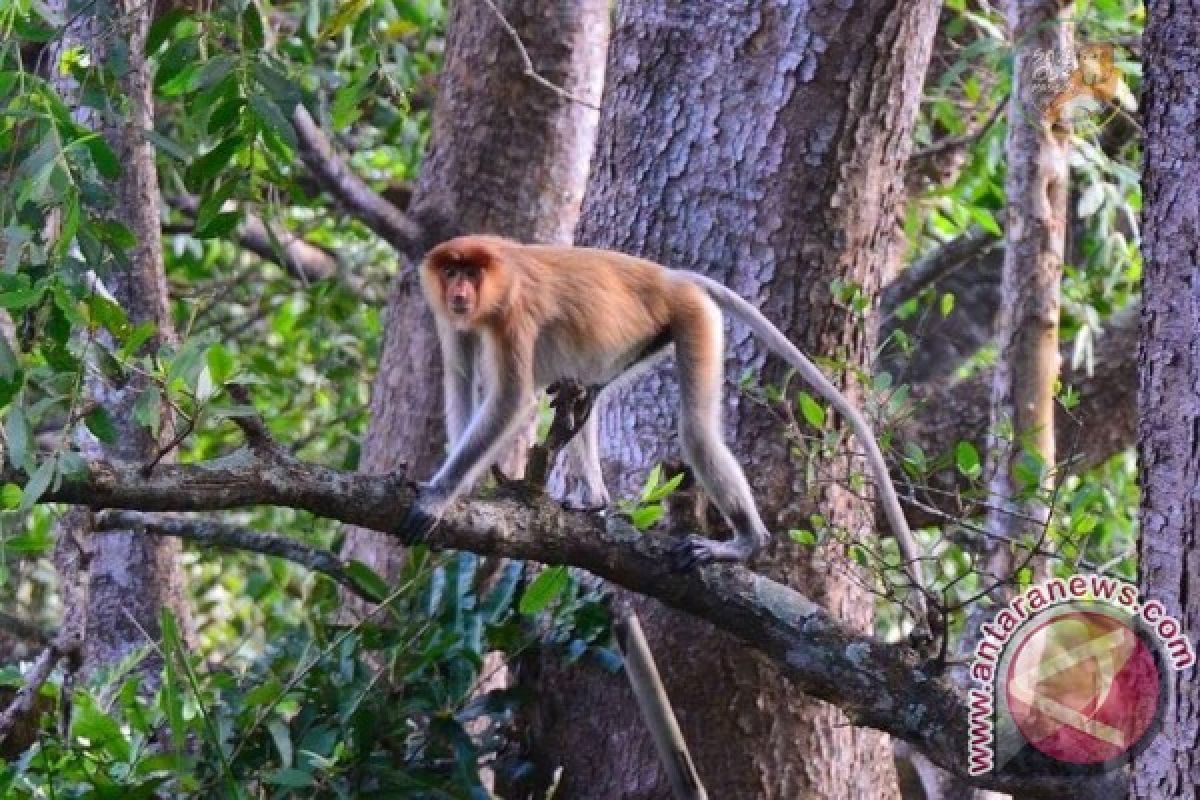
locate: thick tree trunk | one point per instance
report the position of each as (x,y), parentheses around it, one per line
(1022,416)
(1169,403)
(132,577)
(763,144)
(509,156)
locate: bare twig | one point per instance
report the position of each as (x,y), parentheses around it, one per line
(965,140)
(934,266)
(211,533)
(527,63)
(22,702)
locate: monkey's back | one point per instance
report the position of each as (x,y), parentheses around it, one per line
(603,310)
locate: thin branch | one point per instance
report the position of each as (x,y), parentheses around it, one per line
(934,266)
(400,230)
(22,703)
(303,260)
(656,710)
(527,63)
(959,142)
(211,533)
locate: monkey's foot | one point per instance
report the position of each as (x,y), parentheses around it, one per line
(696,551)
(422,518)
(416,527)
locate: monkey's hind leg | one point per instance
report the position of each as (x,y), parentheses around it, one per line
(585,479)
(699,348)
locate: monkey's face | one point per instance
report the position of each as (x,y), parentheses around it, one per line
(460,291)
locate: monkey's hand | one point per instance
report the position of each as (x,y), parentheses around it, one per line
(423,516)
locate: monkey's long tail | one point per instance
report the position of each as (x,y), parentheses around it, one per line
(735,304)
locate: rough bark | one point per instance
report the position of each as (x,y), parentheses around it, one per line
(508,156)
(1169,366)
(763,144)
(131,577)
(1022,405)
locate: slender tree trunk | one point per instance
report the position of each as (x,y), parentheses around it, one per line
(1027,367)
(132,577)
(762,143)
(509,156)
(1169,424)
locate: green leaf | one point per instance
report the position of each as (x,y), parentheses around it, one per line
(10,496)
(35,541)
(220,364)
(10,386)
(17,434)
(100,730)
(108,314)
(252,28)
(542,590)
(803,536)
(966,458)
(225,115)
(859,555)
(147,411)
(282,737)
(138,337)
(39,482)
(102,156)
(207,166)
(367,580)
(21,298)
(811,410)
(646,517)
(984,219)
(660,492)
(291,778)
(101,425)
(947,304)
(162,28)
(221,224)
(115,233)
(214,71)
(271,117)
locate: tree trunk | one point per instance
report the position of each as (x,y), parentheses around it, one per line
(132,577)
(1022,416)
(762,144)
(509,156)
(1169,423)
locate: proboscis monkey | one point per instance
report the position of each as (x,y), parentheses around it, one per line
(527,316)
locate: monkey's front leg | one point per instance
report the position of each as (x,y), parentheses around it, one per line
(490,430)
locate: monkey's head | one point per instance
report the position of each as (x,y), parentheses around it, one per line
(463,281)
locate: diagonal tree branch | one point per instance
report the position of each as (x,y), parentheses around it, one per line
(211,533)
(402,231)
(877,684)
